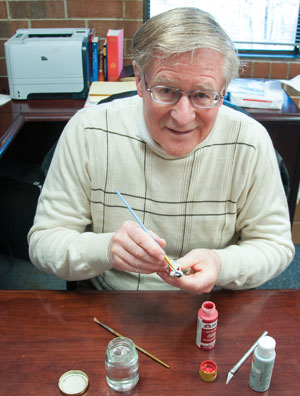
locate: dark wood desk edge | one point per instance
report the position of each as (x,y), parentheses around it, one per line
(43,106)
(61,111)
(11,132)
(280,117)
(47,117)
(151,292)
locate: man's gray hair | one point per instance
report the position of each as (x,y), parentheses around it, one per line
(183,30)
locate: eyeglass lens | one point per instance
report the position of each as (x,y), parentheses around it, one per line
(170,95)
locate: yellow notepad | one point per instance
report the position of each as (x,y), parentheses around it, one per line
(107,88)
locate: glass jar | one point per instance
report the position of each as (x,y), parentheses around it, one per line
(121,364)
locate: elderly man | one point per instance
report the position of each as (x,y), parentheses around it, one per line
(201,176)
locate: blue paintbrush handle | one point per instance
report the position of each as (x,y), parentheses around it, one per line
(177,271)
(134,215)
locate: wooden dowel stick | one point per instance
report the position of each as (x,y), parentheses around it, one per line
(115,333)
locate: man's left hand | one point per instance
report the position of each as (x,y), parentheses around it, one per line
(202,268)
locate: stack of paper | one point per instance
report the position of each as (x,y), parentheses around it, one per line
(4,99)
(263,94)
(100,90)
(292,88)
(294,83)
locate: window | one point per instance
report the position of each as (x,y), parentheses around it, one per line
(255,26)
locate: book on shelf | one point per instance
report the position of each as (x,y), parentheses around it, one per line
(115,43)
(101,76)
(105,59)
(95,58)
(91,36)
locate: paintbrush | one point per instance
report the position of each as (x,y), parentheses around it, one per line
(115,333)
(176,271)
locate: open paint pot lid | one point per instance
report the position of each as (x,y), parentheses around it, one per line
(208,371)
(73,382)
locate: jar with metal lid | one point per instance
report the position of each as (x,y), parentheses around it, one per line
(121,364)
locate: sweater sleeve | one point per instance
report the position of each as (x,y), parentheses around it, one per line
(60,242)
(265,247)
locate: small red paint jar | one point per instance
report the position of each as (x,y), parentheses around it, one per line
(207,326)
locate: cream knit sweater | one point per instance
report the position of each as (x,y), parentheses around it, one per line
(226,195)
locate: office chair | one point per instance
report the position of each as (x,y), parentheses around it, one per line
(285,177)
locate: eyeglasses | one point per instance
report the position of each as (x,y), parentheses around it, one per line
(170,96)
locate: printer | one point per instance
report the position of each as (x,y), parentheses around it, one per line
(48,63)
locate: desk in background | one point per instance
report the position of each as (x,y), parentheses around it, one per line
(45,333)
(283,126)
(14,114)
(284,129)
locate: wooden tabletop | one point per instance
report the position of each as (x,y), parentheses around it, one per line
(46,333)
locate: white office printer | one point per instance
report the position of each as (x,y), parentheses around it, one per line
(48,63)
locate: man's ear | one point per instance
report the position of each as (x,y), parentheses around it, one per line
(138,79)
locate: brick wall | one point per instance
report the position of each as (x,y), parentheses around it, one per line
(101,14)
(275,69)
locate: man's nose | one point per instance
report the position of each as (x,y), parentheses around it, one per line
(183,111)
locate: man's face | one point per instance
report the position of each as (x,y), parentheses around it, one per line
(179,128)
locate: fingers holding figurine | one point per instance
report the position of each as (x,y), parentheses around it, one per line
(200,267)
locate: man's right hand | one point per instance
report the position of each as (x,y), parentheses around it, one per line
(131,249)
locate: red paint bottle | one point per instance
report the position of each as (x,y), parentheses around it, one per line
(207,326)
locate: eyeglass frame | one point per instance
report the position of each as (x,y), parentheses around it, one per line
(188,94)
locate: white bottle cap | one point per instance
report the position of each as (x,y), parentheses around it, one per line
(266,347)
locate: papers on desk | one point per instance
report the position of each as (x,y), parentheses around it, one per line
(263,94)
(293,83)
(100,90)
(4,99)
